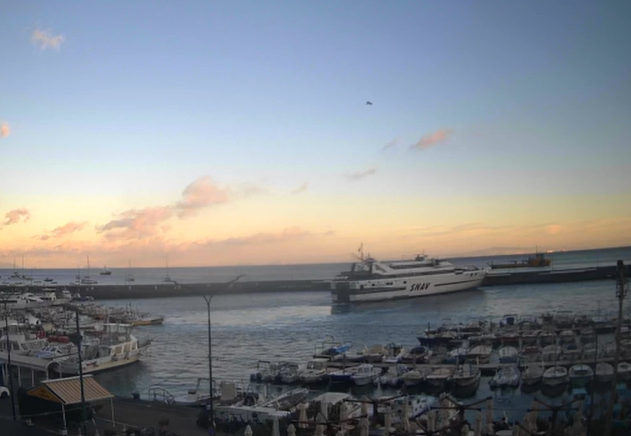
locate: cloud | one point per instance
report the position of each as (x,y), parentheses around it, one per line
(64,230)
(137,223)
(390,144)
(361,174)
(44,39)
(200,194)
(301,188)
(263,238)
(432,139)
(14,216)
(5,130)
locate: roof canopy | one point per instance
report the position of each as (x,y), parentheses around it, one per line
(67,391)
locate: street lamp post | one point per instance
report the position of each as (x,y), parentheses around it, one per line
(5,299)
(208,298)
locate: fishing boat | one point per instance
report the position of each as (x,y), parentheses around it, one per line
(532,374)
(604,372)
(466,375)
(508,354)
(366,373)
(506,376)
(537,261)
(114,347)
(413,377)
(480,353)
(372,280)
(315,371)
(581,374)
(555,376)
(417,354)
(393,376)
(439,376)
(624,371)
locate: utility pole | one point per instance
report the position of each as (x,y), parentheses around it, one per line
(77,341)
(208,298)
(621,293)
(5,298)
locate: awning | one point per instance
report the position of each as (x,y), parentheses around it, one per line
(67,391)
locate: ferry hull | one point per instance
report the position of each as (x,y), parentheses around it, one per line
(345,292)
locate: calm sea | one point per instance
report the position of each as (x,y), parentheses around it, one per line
(288,326)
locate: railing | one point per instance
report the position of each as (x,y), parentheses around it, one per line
(160,395)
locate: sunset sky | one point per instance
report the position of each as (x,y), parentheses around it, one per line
(226,133)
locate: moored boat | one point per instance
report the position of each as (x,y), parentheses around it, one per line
(365,374)
(466,375)
(506,376)
(555,376)
(624,371)
(532,374)
(581,374)
(604,372)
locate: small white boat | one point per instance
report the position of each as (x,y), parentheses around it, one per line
(506,376)
(393,375)
(508,354)
(439,376)
(624,371)
(532,374)
(394,353)
(604,372)
(412,378)
(555,376)
(480,353)
(466,375)
(315,372)
(551,353)
(365,374)
(375,353)
(581,374)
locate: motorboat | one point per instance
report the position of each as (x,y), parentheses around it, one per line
(315,372)
(567,337)
(555,376)
(394,353)
(439,376)
(372,280)
(457,356)
(375,353)
(572,351)
(366,373)
(547,337)
(115,346)
(530,353)
(604,372)
(343,376)
(532,374)
(105,272)
(21,343)
(506,376)
(480,353)
(288,373)
(417,354)
(466,375)
(551,353)
(508,354)
(392,377)
(624,371)
(413,377)
(581,374)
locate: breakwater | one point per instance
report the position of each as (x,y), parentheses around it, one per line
(112,292)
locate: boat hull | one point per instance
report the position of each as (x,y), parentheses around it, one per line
(359,291)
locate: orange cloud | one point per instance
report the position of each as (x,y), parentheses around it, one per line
(64,230)
(44,39)
(137,223)
(17,215)
(431,139)
(301,188)
(5,130)
(200,194)
(361,174)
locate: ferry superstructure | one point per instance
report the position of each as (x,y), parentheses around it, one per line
(371,280)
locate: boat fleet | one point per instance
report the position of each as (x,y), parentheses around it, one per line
(554,350)
(45,337)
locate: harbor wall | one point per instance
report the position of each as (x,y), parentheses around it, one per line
(113,292)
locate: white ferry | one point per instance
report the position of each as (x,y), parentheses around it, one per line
(371,280)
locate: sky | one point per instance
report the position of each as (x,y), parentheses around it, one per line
(232,133)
